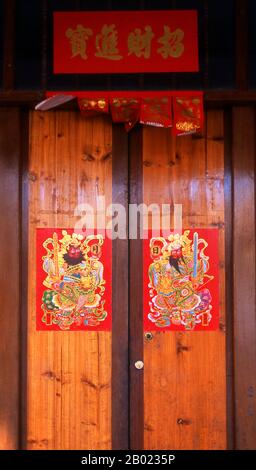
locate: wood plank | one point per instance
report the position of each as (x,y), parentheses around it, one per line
(242,43)
(244,276)
(228,189)
(15,97)
(185,373)
(69,373)
(222,97)
(120,260)
(23,333)
(136,295)
(9,44)
(44,42)
(9,277)
(212,98)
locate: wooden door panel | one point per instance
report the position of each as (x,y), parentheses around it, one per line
(9,277)
(69,373)
(185,372)
(244,276)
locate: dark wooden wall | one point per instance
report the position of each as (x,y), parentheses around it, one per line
(244,157)
(10,144)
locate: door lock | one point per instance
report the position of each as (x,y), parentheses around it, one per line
(139,365)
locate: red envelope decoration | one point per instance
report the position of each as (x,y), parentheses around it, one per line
(187,114)
(156,111)
(126,110)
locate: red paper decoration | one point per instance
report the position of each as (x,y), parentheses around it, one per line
(182,111)
(126,110)
(181,281)
(187,114)
(92,107)
(156,111)
(125,41)
(73,281)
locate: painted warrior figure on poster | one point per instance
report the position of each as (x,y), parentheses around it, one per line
(74,281)
(178,279)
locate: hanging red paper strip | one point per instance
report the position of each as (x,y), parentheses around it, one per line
(126,110)
(183,111)
(73,281)
(181,281)
(125,41)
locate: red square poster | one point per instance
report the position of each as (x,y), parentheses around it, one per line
(73,281)
(181,281)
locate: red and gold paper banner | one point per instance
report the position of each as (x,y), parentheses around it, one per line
(125,41)
(183,111)
(187,114)
(181,281)
(126,110)
(156,111)
(73,283)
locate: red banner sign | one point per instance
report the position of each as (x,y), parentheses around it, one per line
(125,41)
(181,281)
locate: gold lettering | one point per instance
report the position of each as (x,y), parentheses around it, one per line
(106,43)
(172,45)
(78,40)
(140,43)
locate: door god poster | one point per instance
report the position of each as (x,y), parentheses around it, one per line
(73,281)
(181,282)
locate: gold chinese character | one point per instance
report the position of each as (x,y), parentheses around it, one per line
(106,43)
(139,43)
(172,45)
(78,38)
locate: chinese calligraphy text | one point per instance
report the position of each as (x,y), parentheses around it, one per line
(125,41)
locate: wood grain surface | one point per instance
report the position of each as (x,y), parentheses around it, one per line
(9,278)
(120,302)
(244,276)
(69,400)
(69,373)
(136,299)
(185,372)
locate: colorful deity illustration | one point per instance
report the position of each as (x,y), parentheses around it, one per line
(177,282)
(74,281)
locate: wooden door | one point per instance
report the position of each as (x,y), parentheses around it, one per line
(185,372)
(68,373)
